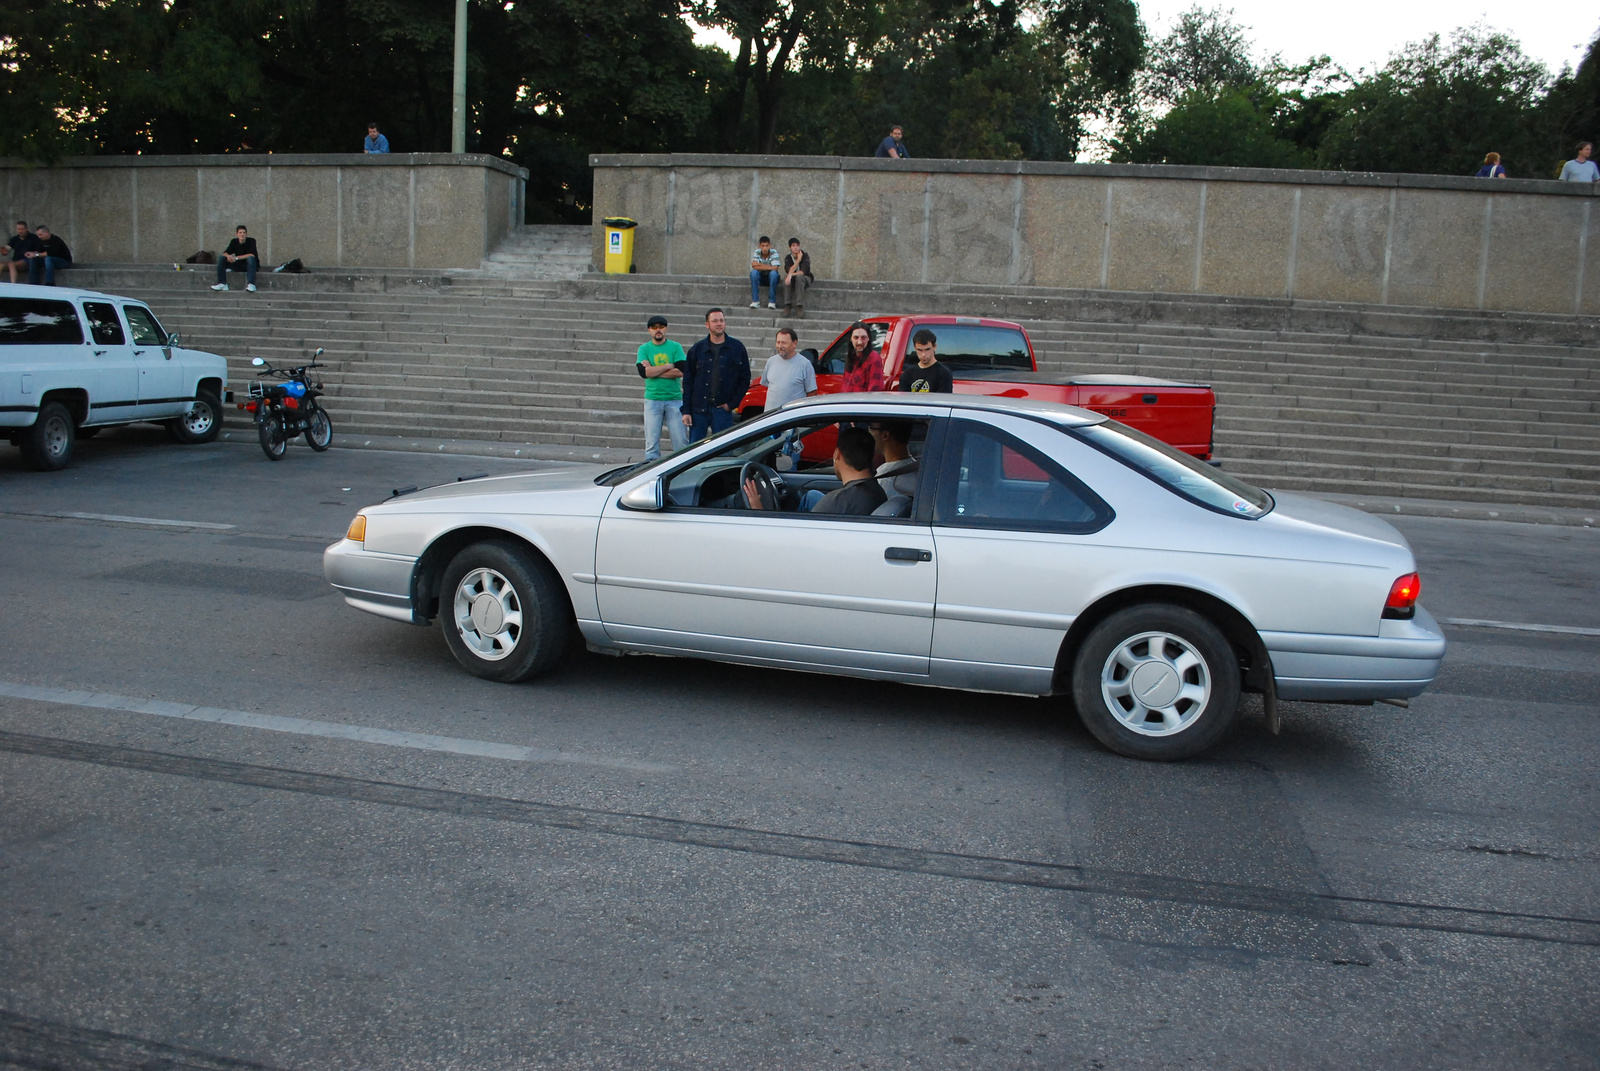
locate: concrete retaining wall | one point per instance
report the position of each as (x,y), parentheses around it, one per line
(1415,240)
(417,210)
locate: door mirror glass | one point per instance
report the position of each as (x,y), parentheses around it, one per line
(175,338)
(645,497)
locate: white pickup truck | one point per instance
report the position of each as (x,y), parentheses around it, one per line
(75,361)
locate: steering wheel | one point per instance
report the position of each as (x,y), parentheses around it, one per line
(767,483)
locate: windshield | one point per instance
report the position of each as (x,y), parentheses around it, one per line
(1188,476)
(612,477)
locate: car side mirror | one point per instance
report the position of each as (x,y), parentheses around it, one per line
(174,338)
(258,362)
(647,498)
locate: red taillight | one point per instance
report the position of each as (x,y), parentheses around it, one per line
(249,407)
(1403,594)
(291,402)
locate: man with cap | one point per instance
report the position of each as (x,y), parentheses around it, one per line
(660,365)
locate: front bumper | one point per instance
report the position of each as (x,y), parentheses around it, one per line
(377,583)
(1398,663)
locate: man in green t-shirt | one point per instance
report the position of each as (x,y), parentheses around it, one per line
(660,365)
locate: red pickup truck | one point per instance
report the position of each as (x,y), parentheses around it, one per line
(995,357)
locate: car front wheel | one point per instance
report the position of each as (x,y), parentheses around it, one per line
(502,612)
(1156,681)
(201,424)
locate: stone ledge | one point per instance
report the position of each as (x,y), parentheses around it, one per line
(296,159)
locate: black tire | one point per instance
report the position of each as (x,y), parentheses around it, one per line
(319,436)
(202,424)
(270,432)
(1156,681)
(481,588)
(47,444)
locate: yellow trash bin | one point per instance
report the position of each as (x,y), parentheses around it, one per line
(619,244)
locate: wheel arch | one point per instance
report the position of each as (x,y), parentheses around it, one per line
(76,399)
(426,574)
(1255,665)
(211,383)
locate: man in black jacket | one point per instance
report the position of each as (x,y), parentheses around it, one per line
(50,256)
(796,278)
(240,255)
(716,373)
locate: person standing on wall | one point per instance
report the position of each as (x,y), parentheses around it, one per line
(240,255)
(893,147)
(660,365)
(1581,169)
(797,278)
(716,374)
(926,375)
(375,142)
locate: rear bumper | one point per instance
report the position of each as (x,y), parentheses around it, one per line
(1398,663)
(377,583)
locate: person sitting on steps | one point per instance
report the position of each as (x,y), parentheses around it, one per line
(240,255)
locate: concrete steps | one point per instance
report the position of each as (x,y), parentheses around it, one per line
(547,252)
(1505,411)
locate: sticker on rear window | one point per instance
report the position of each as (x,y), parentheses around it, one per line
(1241,506)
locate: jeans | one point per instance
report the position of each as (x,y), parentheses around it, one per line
(247,265)
(45,268)
(769,279)
(809,500)
(794,293)
(657,410)
(710,423)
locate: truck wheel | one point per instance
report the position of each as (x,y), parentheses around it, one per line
(47,445)
(502,612)
(201,424)
(1156,681)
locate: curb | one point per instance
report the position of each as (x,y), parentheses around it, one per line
(577,455)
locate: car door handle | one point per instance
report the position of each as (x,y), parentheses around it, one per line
(907,554)
(99,353)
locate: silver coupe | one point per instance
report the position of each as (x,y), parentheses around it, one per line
(1014,546)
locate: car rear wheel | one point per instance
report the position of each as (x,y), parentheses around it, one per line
(47,445)
(201,424)
(502,612)
(1156,681)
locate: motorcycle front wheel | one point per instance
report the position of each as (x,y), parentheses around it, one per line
(273,443)
(319,436)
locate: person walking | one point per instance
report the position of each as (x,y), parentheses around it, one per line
(51,256)
(1581,169)
(797,278)
(1491,167)
(375,142)
(893,147)
(716,373)
(240,255)
(660,364)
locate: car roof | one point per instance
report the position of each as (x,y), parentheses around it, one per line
(941,318)
(1055,412)
(28,290)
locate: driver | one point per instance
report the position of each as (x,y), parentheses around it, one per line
(852,461)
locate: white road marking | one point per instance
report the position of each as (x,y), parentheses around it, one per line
(116,518)
(307,727)
(1518,626)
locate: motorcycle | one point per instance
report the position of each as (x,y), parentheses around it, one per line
(284,410)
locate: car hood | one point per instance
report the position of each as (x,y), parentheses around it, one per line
(1306,512)
(566,478)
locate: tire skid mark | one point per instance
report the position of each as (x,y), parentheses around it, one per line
(1085,880)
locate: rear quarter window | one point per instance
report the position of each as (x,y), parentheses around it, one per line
(26,321)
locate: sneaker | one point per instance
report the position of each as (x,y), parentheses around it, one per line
(755,304)
(219,286)
(250,287)
(772,304)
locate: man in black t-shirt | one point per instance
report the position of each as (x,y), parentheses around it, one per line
(240,255)
(852,463)
(48,257)
(926,375)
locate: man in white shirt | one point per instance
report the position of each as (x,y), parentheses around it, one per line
(765,267)
(1582,169)
(787,376)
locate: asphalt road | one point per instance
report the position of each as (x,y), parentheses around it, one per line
(643,863)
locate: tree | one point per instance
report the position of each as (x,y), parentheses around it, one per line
(1438,108)
(1570,112)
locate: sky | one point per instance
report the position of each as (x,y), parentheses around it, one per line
(1363,33)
